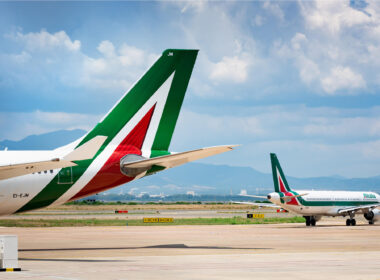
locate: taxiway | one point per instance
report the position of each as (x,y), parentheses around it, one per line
(287,251)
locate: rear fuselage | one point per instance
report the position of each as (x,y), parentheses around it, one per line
(20,193)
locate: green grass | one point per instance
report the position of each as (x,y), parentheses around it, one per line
(80,214)
(123,222)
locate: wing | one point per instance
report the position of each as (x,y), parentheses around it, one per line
(251,195)
(362,207)
(257,204)
(286,197)
(177,159)
(85,151)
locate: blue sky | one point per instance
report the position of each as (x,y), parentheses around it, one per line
(300,78)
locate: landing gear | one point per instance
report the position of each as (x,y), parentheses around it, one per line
(310,221)
(307,218)
(350,222)
(371,222)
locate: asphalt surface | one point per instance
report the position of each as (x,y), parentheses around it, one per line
(330,250)
(140,214)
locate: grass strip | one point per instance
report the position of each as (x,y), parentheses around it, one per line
(139,222)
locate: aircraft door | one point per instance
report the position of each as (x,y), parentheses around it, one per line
(65,175)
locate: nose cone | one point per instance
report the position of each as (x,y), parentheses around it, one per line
(274,198)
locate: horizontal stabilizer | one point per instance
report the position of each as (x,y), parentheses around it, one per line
(177,159)
(258,204)
(288,198)
(86,151)
(16,170)
(255,196)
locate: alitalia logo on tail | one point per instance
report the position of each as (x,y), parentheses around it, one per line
(280,183)
(282,187)
(130,142)
(141,123)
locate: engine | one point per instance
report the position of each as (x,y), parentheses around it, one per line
(372,215)
(132,172)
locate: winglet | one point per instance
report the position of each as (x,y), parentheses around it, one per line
(87,150)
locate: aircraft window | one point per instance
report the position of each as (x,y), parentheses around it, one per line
(39,172)
(45,171)
(51,171)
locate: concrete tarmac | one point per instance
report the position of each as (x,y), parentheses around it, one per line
(330,250)
(134,215)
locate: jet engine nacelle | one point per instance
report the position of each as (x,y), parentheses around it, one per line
(372,215)
(132,172)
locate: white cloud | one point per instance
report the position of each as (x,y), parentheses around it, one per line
(198,6)
(309,70)
(117,69)
(227,52)
(320,65)
(233,69)
(130,55)
(60,58)
(21,58)
(44,40)
(334,16)
(298,40)
(342,78)
(274,9)
(277,123)
(106,48)
(336,51)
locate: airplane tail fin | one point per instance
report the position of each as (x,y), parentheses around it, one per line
(279,179)
(141,123)
(144,119)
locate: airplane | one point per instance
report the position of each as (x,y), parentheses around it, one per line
(312,205)
(130,142)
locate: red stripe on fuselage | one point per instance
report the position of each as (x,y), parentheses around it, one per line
(109,175)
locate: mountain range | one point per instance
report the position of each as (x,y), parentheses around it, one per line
(199,178)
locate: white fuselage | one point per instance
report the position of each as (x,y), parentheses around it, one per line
(326,203)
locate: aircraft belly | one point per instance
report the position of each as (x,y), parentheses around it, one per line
(312,210)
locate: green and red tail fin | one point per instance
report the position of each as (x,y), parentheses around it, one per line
(279,180)
(142,122)
(159,94)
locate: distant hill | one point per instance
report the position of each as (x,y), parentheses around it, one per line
(199,178)
(222,179)
(47,141)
